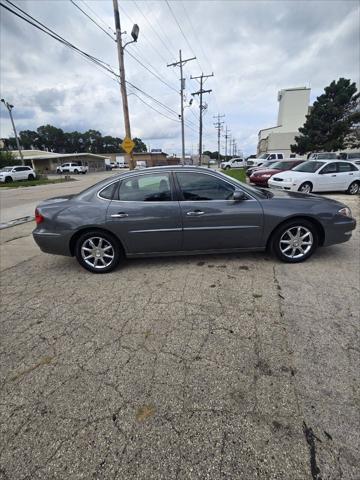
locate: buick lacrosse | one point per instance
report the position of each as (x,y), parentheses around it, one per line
(178,210)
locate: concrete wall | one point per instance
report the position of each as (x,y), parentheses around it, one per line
(293,107)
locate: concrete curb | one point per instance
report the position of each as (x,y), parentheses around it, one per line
(17,221)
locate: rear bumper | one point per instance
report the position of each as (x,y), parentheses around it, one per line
(54,243)
(340,231)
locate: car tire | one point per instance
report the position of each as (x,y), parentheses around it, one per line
(31,177)
(305,187)
(8,179)
(105,244)
(227,167)
(76,171)
(354,188)
(296,246)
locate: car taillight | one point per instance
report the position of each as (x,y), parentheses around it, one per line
(38,217)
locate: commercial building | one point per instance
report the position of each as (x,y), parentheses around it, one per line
(46,162)
(293,108)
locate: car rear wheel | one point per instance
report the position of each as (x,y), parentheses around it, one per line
(31,177)
(295,241)
(98,252)
(305,187)
(353,188)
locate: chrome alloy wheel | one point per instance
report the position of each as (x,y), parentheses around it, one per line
(296,242)
(354,188)
(97,252)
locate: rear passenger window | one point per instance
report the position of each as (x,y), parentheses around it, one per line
(346,167)
(146,188)
(108,192)
(280,156)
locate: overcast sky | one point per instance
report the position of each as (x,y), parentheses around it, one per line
(254,48)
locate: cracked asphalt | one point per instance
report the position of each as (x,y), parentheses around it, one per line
(211,367)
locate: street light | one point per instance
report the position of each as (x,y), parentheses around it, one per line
(10,107)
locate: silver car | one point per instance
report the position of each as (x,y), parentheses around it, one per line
(185,210)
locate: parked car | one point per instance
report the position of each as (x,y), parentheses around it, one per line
(233,163)
(323,156)
(353,157)
(140,164)
(121,163)
(17,172)
(266,164)
(72,168)
(319,176)
(261,177)
(185,210)
(257,162)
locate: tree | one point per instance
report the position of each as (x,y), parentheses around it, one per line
(7,159)
(139,145)
(331,119)
(28,139)
(51,138)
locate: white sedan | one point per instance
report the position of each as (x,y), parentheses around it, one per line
(319,176)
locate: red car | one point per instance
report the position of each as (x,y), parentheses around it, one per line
(261,177)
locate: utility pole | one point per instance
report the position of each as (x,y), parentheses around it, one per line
(218,126)
(226,138)
(201,107)
(120,49)
(10,107)
(180,64)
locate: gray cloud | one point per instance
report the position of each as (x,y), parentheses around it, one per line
(49,99)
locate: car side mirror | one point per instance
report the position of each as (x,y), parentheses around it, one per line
(239,196)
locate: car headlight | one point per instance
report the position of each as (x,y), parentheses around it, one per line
(345,212)
(266,175)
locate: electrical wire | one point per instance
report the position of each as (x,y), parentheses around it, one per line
(90,18)
(97,16)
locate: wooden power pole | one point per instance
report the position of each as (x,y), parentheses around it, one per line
(180,64)
(201,107)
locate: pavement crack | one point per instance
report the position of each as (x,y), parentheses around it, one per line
(310,438)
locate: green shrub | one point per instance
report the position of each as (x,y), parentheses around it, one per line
(7,159)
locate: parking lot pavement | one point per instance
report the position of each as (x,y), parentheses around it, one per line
(212,367)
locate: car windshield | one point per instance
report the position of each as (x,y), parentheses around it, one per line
(6,169)
(282,165)
(269,163)
(309,167)
(264,156)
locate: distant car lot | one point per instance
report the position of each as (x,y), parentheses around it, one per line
(202,367)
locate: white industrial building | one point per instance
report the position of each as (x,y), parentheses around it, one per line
(293,108)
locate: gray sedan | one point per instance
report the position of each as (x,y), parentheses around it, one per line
(185,210)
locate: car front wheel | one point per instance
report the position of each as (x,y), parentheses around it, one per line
(353,188)
(98,252)
(31,177)
(305,187)
(295,241)
(8,179)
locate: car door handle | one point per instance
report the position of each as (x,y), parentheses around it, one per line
(333,175)
(119,215)
(351,173)
(195,213)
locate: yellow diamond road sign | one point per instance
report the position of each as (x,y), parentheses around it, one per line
(128,145)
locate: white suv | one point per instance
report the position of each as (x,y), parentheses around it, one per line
(257,162)
(233,163)
(18,172)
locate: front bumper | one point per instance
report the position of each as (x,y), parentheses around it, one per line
(260,182)
(284,185)
(340,231)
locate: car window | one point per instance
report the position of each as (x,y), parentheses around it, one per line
(284,165)
(271,157)
(329,168)
(200,186)
(146,188)
(17,169)
(346,167)
(108,192)
(310,166)
(352,156)
(280,156)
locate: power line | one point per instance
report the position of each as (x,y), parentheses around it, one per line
(97,16)
(182,32)
(90,18)
(153,29)
(85,55)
